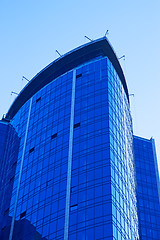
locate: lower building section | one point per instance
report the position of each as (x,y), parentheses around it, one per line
(147,188)
(9,146)
(23,230)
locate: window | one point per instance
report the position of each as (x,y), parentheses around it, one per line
(3,228)
(11,179)
(31,150)
(38,99)
(6,211)
(23,214)
(54,136)
(76,125)
(79,75)
(74,207)
(14,164)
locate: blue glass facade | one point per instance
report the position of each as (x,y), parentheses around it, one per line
(74,173)
(75,182)
(147,188)
(9,144)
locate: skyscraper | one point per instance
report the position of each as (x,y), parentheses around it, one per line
(71,158)
(148,188)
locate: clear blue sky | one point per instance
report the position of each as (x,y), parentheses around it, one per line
(32,30)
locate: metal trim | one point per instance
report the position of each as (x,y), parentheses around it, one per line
(69,172)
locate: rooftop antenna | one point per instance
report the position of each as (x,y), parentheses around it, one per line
(14,93)
(58,53)
(88,38)
(107,32)
(23,77)
(122,57)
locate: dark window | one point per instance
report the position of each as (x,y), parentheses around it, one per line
(38,99)
(74,207)
(6,211)
(23,214)
(76,125)
(54,136)
(79,75)
(14,164)
(11,179)
(3,228)
(31,150)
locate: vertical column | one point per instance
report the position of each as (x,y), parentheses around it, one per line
(20,172)
(68,190)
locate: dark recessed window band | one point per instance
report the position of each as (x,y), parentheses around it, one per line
(6,211)
(74,207)
(23,214)
(54,136)
(31,150)
(11,179)
(79,75)
(14,164)
(76,125)
(38,99)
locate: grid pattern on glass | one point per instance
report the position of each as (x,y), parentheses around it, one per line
(102,194)
(90,207)
(147,191)
(42,192)
(124,212)
(99,158)
(8,161)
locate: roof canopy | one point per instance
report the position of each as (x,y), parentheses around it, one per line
(65,63)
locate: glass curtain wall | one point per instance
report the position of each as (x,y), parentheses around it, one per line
(75,175)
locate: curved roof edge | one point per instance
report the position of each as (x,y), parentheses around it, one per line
(70,60)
